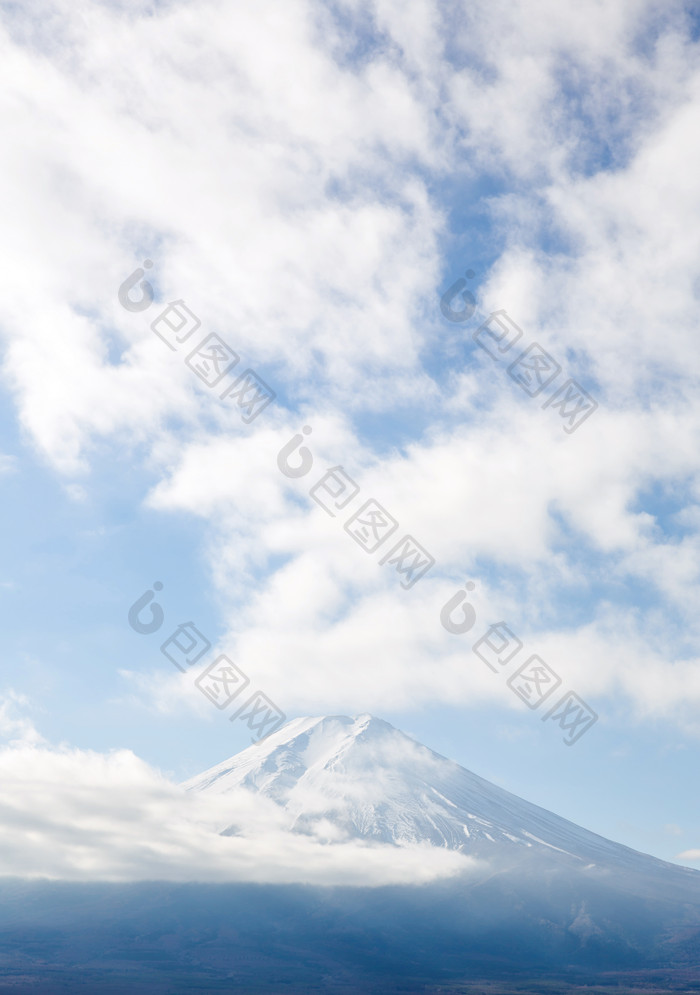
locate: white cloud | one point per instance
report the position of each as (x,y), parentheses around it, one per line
(287,186)
(691,855)
(331,630)
(83,816)
(220,168)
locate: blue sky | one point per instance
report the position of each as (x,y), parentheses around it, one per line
(313,218)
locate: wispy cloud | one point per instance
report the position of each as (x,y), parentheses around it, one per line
(691,855)
(16,727)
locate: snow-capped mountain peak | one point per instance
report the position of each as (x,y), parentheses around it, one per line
(338,777)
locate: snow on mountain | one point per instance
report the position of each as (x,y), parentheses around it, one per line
(338,777)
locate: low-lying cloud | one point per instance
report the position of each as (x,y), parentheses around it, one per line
(77,815)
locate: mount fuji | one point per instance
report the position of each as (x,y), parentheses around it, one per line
(545,906)
(340,778)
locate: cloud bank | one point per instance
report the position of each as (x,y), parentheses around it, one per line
(78,815)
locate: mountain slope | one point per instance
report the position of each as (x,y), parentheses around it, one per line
(550,908)
(339,777)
